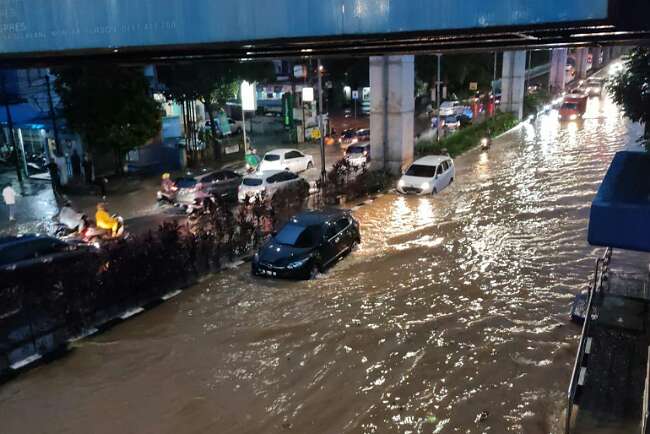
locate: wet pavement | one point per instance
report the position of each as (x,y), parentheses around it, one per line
(451,317)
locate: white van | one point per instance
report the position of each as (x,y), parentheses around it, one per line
(428,175)
(451,108)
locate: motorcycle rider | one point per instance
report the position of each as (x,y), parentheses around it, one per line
(167,186)
(103,220)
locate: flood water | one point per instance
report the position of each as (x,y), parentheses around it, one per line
(451,317)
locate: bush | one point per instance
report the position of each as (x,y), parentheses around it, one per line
(469,137)
(352,182)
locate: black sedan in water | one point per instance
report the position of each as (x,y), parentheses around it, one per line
(308,244)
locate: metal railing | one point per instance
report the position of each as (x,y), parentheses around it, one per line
(595,289)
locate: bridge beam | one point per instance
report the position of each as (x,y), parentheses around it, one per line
(392,82)
(513,82)
(557,80)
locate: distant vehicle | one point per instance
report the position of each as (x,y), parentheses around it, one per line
(286,159)
(192,190)
(307,245)
(594,86)
(428,175)
(451,108)
(452,122)
(363,135)
(28,252)
(358,154)
(573,107)
(348,137)
(266,184)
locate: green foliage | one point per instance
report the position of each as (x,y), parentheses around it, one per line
(469,137)
(534,102)
(109,107)
(630,88)
(457,71)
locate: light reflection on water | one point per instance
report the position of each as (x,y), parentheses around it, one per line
(451,317)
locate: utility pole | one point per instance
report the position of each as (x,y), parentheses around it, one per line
(55,129)
(495,67)
(323,172)
(10,125)
(439,95)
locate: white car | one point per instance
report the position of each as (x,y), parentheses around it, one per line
(451,108)
(286,159)
(428,175)
(266,184)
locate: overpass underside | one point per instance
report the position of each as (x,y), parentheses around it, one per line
(49,31)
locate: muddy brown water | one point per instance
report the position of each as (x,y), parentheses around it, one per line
(451,317)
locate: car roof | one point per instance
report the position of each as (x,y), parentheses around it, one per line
(309,218)
(431,160)
(363,131)
(364,144)
(12,241)
(264,175)
(281,151)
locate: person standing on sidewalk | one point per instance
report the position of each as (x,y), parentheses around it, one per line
(9,196)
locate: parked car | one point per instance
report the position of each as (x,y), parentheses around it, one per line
(308,244)
(28,252)
(428,175)
(286,159)
(220,183)
(266,184)
(358,154)
(452,122)
(451,108)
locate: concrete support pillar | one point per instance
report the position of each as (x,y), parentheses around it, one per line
(557,80)
(596,57)
(512,82)
(392,111)
(607,55)
(582,57)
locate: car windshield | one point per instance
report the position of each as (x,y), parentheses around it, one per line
(271,157)
(421,171)
(186,183)
(570,106)
(252,182)
(296,235)
(356,150)
(348,134)
(451,119)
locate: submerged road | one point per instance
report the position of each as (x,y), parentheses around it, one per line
(451,317)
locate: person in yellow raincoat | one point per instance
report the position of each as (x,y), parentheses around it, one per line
(103,220)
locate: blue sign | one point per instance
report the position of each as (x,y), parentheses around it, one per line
(56,25)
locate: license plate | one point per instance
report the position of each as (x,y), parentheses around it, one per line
(270,273)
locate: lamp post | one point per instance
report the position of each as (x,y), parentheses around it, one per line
(438,96)
(321,127)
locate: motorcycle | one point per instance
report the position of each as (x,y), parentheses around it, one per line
(486,143)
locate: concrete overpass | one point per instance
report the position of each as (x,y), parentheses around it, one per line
(149,31)
(156,30)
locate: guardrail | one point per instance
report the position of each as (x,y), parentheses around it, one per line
(577,377)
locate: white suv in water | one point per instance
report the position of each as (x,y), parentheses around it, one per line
(428,175)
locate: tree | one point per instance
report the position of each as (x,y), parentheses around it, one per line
(109,107)
(212,83)
(630,88)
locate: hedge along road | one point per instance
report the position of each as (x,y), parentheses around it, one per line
(452,315)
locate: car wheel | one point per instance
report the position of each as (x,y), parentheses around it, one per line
(287,169)
(313,272)
(310,165)
(451,181)
(434,191)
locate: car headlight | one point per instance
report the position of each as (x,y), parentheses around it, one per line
(401,183)
(484,141)
(425,186)
(298,264)
(573,117)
